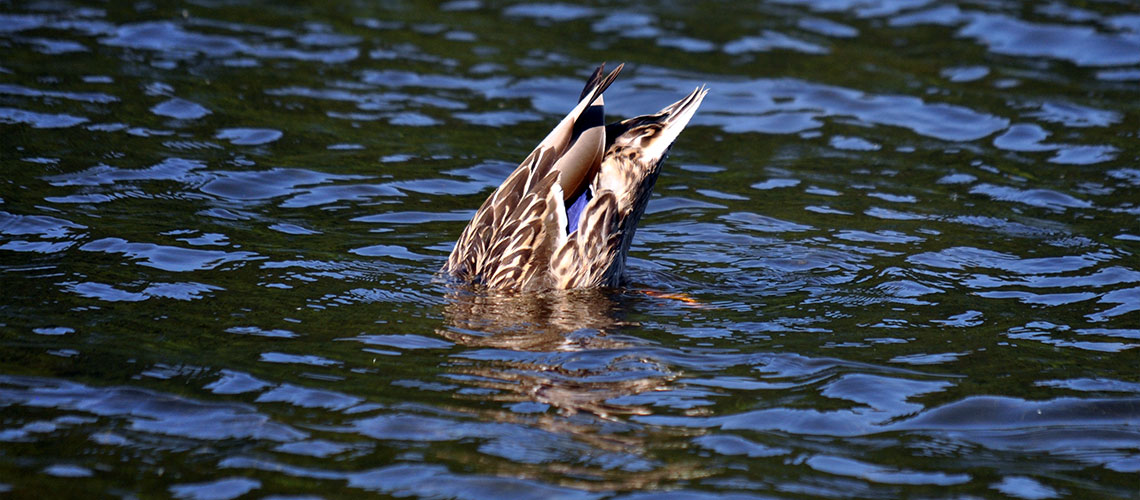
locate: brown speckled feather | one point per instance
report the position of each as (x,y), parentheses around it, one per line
(584,260)
(518,238)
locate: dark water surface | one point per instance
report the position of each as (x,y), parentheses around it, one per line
(893,256)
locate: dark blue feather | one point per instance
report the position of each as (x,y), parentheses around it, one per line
(574,211)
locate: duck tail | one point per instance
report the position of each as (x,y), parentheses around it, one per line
(672,120)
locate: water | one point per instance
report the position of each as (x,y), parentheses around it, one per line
(893,256)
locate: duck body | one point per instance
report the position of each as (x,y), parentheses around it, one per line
(566,216)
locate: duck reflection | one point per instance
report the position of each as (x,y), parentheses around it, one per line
(558,348)
(565,350)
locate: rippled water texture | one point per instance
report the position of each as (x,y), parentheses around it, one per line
(893,256)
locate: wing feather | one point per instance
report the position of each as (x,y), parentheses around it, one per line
(586,258)
(520,257)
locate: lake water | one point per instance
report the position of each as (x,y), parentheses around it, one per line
(894,255)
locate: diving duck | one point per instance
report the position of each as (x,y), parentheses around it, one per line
(565,217)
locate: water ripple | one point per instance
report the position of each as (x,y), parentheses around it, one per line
(168,258)
(147,411)
(39,120)
(899,236)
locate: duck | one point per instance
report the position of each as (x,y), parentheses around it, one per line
(565,217)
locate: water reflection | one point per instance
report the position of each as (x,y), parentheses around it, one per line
(558,349)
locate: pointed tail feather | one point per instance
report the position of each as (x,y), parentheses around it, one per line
(676,117)
(593,80)
(586,140)
(560,136)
